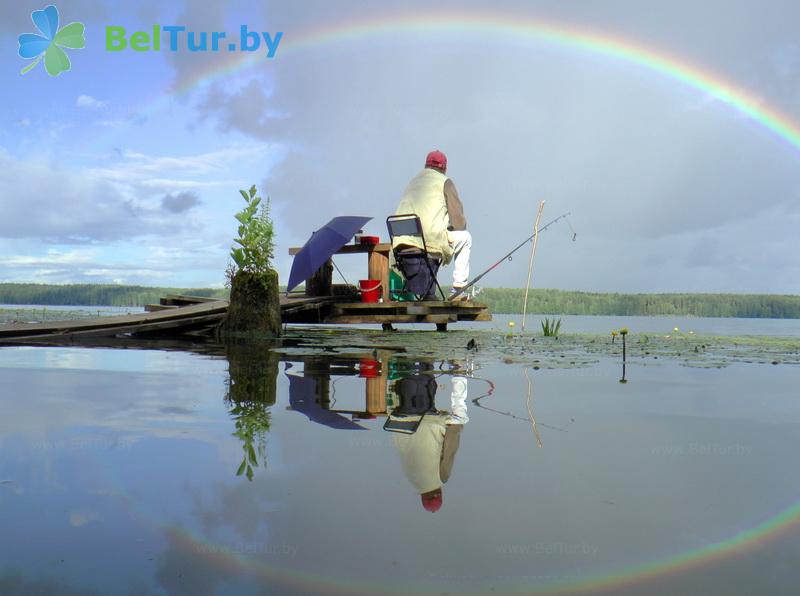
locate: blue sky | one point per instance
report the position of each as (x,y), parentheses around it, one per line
(124,170)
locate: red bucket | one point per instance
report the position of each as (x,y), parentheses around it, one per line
(370,289)
(369,240)
(369,368)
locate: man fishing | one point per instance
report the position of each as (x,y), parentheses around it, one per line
(432,196)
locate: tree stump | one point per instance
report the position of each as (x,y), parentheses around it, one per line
(255,304)
(253,373)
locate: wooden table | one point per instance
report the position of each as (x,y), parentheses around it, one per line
(321,282)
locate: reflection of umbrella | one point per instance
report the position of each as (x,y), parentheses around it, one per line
(322,245)
(302,398)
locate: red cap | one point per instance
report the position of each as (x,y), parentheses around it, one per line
(432,501)
(436,159)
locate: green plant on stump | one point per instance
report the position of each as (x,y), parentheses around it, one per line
(551,328)
(256,245)
(252,424)
(251,392)
(255,302)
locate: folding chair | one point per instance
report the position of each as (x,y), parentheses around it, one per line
(417,399)
(417,266)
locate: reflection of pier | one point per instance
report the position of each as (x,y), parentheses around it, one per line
(310,392)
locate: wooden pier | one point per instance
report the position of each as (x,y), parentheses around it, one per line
(326,302)
(192,316)
(436,312)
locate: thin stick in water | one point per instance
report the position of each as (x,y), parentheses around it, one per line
(530,262)
(530,410)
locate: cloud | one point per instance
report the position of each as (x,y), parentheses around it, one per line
(83,265)
(179,202)
(44,201)
(53,257)
(246,110)
(48,201)
(90,103)
(115,211)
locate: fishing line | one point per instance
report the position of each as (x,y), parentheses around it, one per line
(571,229)
(507,256)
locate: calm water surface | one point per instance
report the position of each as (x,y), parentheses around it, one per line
(154,472)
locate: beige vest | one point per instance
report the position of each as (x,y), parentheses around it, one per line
(424,196)
(421,452)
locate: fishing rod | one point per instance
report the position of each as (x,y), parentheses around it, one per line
(508,256)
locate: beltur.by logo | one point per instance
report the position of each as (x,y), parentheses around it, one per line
(49,44)
(179,38)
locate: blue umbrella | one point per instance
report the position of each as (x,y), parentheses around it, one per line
(302,398)
(322,245)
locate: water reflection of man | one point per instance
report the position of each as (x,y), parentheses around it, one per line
(427,455)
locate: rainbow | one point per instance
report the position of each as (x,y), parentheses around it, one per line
(507,29)
(740,544)
(512,29)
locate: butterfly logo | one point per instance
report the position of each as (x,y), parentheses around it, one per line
(48,45)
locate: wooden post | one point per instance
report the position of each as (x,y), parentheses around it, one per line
(375,402)
(321,283)
(378,268)
(376,395)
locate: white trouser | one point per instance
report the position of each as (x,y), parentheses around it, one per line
(461,241)
(458,401)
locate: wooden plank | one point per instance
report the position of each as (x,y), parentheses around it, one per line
(432,304)
(181,300)
(291,309)
(288,305)
(185,324)
(158,307)
(302,298)
(367,319)
(362,319)
(353,248)
(29,329)
(412,308)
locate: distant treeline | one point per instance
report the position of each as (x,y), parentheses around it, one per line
(556,302)
(95,294)
(499,300)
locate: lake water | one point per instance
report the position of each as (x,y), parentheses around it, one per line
(248,471)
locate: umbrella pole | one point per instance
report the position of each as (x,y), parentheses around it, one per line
(339,271)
